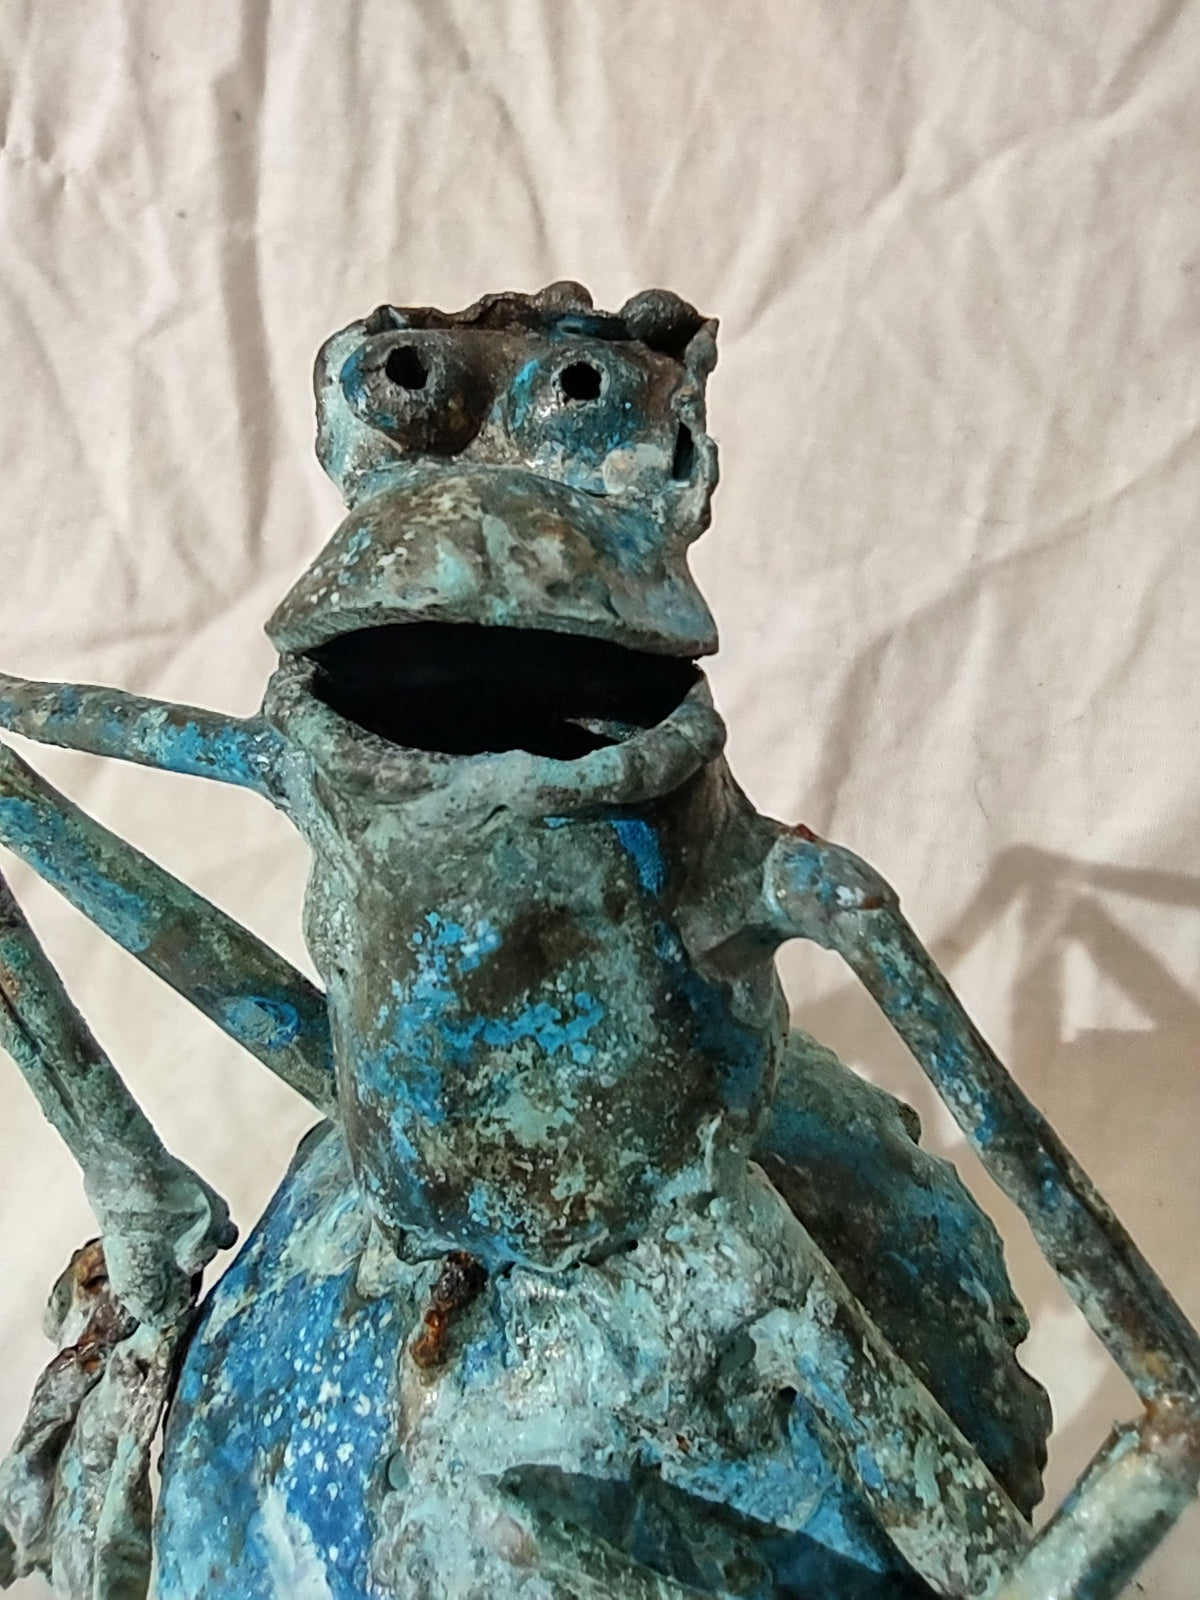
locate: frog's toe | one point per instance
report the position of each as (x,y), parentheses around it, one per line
(100,1527)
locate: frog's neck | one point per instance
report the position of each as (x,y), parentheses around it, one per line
(396,831)
(514,993)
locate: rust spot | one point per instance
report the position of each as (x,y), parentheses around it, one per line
(89,1270)
(1171,1422)
(459,1283)
(107,1321)
(803,831)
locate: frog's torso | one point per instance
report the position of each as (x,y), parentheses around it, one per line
(309,1455)
(612,1405)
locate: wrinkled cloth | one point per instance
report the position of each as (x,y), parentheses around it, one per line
(955,249)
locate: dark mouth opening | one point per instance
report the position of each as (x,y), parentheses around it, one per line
(465,690)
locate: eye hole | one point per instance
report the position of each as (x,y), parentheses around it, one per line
(405,368)
(684,458)
(579,381)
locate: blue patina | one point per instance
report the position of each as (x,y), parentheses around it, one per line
(641,841)
(285,1410)
(53,850)
(597,1280)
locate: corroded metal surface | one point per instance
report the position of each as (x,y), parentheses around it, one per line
(656,1385)
(596,1281)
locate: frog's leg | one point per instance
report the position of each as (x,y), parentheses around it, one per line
(831,1134)
(154,733)
(74,1491)
(75,1488)
(251,993)
(161,1223)
(1147,1473)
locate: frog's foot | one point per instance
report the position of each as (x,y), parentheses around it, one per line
(75,1488)
(565,1550)
(160,1231)
(648,1539)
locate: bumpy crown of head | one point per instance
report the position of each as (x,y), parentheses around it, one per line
(393,390)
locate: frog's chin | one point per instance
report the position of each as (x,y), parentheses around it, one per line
(611,731)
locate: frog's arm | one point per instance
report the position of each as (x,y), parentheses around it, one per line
(251,993)
(815,890)
(154,733)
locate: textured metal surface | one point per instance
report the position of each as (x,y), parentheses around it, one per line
(597,1281)
(656,1387)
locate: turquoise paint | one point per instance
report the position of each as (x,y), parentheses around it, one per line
(640,841)
(57,853)
(520,392)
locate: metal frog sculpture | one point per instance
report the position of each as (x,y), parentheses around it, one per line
(595,1280)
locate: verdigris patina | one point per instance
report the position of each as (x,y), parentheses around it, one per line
(595,1280)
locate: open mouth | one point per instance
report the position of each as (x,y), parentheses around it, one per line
(463,689)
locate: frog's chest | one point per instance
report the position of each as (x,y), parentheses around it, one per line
(527,1054)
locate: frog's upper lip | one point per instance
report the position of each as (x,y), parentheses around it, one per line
(500,547)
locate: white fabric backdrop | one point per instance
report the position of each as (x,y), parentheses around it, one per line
(955,247)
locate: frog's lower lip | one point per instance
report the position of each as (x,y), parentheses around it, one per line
(467,689)
(353,761)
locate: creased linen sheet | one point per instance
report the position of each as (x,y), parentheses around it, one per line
(955,250)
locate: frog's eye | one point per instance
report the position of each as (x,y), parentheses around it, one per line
(579,382)
(420,388)
(569,410)
(405,368)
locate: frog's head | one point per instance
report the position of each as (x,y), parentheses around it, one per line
(523,480)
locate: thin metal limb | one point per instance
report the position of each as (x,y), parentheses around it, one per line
(161,1222)
(818,891)
(154,733)
(251,993)
(1130,1496)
